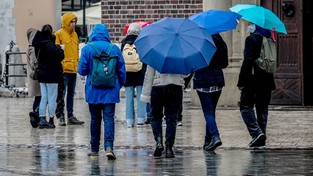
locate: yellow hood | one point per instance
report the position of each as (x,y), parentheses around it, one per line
(66,19)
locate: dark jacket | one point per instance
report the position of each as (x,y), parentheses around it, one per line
(49,58)
(250,73)
(212,75)
(133,78)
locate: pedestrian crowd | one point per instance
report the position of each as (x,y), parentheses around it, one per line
(158,96)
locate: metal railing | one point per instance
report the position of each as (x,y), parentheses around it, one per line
(6,74)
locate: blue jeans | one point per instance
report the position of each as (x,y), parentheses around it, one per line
(97,113)
(49,92)
(130,109)
(70,84)
(208,103)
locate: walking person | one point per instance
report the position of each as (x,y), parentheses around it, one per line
(32,85)
(134,82)
(209,82)
(256,86)
(101,101)
(165,94)
(68,39)
(49,63)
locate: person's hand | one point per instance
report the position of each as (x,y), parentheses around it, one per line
(240,88)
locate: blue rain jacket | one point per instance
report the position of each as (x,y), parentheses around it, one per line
(100,37)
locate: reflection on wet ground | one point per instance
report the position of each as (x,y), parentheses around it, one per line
(69,161)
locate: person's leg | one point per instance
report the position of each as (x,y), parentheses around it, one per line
(263,98)
(130,110)
(208,103)
(42,107)
(95,126)
(52,97)
(70,81)
(141,107)
(180,116)
(43,100)
(34,114)
(71,85)
(109,129)
(172,105)
(148,112)
(60,99)
(36,104)
(247,101)
(156,119)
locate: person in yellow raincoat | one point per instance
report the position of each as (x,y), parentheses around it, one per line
(67,38)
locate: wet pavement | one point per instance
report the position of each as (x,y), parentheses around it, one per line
(63,151)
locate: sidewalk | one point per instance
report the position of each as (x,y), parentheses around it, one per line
(62,151)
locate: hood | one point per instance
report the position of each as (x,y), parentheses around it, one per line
(42,38)
(31,32)
(66,19)
(99,33)
(262,31)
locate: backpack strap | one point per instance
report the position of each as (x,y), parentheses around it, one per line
(108,51)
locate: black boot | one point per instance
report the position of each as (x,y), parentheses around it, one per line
(51,121)
(158,147)
(156,126)
(169,153)
(215,142)
(44,124)
(34,119)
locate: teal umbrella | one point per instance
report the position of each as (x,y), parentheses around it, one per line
(260,16)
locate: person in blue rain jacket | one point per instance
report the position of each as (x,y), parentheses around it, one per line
(101,101)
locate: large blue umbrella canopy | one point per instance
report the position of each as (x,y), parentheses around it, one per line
(216,21)
(260,16)
(175,45)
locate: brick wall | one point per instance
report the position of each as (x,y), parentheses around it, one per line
(117,13)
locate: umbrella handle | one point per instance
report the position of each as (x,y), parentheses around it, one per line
(272,34)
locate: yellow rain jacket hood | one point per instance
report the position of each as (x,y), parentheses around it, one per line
(67,37)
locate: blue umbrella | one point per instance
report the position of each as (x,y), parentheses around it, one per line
(260,16)
(175,45)
(216,21)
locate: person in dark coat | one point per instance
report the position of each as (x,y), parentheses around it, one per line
(256,86)
(209,82)
(134,82)
(50,56)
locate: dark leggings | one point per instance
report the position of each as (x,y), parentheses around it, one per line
(36,103)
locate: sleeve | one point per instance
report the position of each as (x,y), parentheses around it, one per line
(83,68)
(57,38)
(147,85)
(250,53)
(121,70)
(31,57)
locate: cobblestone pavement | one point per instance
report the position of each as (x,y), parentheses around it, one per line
(62,151)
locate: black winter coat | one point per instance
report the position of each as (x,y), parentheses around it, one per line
(259,79)
(212,75)
(133,78)
(49,56)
